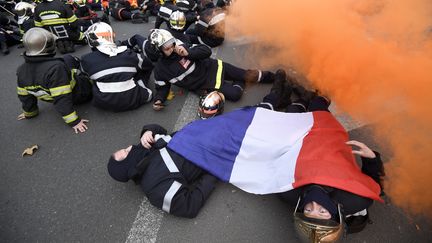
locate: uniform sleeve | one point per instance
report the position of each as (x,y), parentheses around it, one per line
(70,16)
(135,40)
(373,168)
(191,17)
(155,128)
(144,63)
(29,103)
(202,25)
(37,18)
(189,200)
(199,52)
(141,42)
(162,88)
(61,91)
(158,22)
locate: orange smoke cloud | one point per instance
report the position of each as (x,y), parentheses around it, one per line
(372,57)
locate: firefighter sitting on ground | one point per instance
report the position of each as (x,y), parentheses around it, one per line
(55,80)
(25,13)
(120,74)
(86,16)
(128,9)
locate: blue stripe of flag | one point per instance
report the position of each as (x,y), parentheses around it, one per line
(214,144)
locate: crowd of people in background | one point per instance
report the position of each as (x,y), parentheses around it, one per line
(118,72)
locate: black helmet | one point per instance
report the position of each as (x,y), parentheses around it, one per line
(39,42)
(211,105)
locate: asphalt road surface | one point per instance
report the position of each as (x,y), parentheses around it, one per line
(64,194)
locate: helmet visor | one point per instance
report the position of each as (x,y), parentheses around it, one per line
(317,230)
(21,12)
(168,44)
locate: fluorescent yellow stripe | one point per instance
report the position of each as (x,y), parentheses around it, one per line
(36,87)
(53,22)
(72,19)
(61,90)
(70,118)
(22,91)
(31,113)
(38,24)
(219,74)
(73,81)
(46,98)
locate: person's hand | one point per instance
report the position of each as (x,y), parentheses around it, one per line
(158,105)
(81,126)
(363,151)
(181,51)
(21,117)
(147,139)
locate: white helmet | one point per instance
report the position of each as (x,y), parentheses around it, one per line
(211,105)
(177,20)
(39,42)
(80,2)
(99,33)
(23,9)
(159,38)
(101,36)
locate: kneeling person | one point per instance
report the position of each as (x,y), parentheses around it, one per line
(57,80)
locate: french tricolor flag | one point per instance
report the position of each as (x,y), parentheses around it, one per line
(263,151)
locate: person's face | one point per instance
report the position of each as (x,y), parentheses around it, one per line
(315,210)
(168,50)
(122,153)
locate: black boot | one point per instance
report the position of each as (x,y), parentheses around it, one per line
(69,46)
(4,48)
(280,93)
(146,16)
(285,99)
(267,77)
(61,47)
(105,19)
(300,93)
(137,18)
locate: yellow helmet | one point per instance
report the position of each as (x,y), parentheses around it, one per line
(314,230)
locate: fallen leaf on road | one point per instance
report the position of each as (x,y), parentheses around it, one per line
(30,151)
